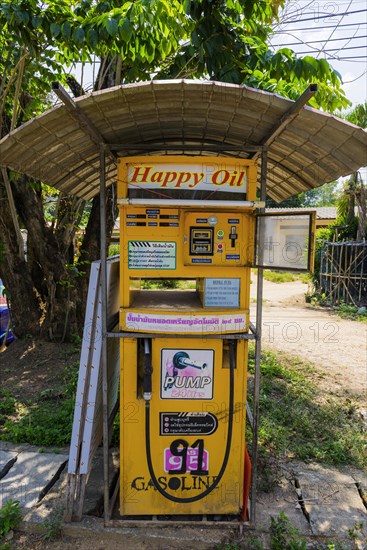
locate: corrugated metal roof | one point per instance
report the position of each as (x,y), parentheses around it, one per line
(313,149)
(322,212)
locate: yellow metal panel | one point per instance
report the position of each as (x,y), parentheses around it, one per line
(190,406)
(208,405)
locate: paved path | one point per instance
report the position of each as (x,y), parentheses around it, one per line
(318,501)
(26,476)
(337,347)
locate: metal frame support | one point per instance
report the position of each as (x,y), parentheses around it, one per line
(188,146)
(287,118)
(102,190)
(85,124)
(256,390)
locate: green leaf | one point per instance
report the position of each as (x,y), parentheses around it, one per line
(111,26)
(187,6)
(79,35)
(126,30)
(66,29)
(55,29)
(36,21)
(324,68)
(92,37)
(23,17)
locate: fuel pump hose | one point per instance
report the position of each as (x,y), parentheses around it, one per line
(228,444)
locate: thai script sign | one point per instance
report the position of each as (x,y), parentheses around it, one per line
(186,323)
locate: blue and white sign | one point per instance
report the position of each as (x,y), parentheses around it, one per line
(222,293)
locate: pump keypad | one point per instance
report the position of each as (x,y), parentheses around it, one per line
(219,245)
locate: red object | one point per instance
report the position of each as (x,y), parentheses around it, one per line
(246,486)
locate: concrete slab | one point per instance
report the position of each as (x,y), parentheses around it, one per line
(30,476)
(332,500)
(282,498)
(7,459)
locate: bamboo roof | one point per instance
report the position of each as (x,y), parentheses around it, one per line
(312,149)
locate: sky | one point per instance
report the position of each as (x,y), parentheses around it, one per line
(336,31)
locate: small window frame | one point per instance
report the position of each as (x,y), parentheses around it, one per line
(311,215)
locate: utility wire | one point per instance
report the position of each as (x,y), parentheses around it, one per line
(321,29)
(326,16)
(355,79)
(335,29)
(317,41)
(333,50)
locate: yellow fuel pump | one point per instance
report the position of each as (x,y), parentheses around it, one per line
(184,354)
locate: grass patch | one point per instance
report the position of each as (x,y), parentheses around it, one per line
(351,312)
(168,284)
(298,421)
(285,276)
(47,421)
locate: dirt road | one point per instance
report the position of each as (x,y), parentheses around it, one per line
(337,347)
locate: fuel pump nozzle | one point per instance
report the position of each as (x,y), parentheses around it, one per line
(147,380)
(181,360)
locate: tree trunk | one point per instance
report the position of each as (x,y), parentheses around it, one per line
(47,262)
(49,290)
(27,312)
(91,247)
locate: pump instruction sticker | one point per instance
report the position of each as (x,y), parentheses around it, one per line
(151,255)
(187,423)
(187,374)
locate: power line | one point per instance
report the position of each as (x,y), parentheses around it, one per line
(355,79)
(317,41)
(333,50)
(326,16)
(334,30)
(350,58)
(321,29)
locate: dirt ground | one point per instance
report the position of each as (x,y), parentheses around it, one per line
(336,347)
(29,367)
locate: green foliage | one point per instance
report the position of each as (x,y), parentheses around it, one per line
(283,536)
(46,422)
(224,41)
(158,284)
(351,312)
(114,249)
(326,195)
(7,402)
(53,524)
(324,430)
(285,276)
(10,516)
(358,115)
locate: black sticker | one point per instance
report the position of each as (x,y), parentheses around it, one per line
(187,423)
(233,220)
(201,220)
(152,211)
